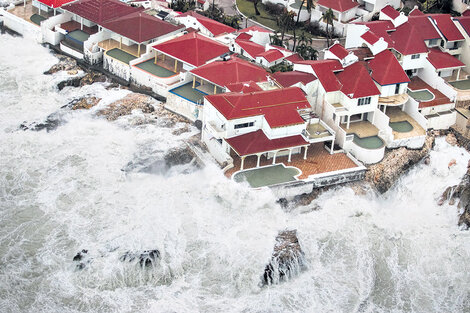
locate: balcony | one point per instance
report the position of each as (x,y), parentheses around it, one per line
(395,100)
(216,130)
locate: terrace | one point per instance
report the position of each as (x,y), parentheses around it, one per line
(120,55)
(403,125)
(150,67)
(361,129)
(189,93)
(30,13)
(318,161)
(394,100)
(70,26)
(424,97)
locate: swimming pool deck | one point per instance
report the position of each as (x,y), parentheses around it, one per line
(318,161)
(189,93)
(25,12)
(110,44)
(70,26)
(120,55)
(155,69)
(397,115)
(362,129)
(439,98)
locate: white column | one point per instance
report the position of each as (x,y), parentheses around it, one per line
(55,12)
(385,109)
(81,23)
(243,161)
(274,157)
(332,146)
(458,74)
(257,162)
(349,119)
(290,155)
(305,152)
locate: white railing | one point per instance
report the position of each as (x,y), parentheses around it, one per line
(430,77)
(411,108)
(381,121)
(93,53)
(48,28)
(367,156)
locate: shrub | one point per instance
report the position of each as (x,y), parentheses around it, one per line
(273,8)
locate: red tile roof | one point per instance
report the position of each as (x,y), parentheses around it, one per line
(250,47)
(254,28)
(381,29)
(339,51)
(416,12)
(192,48)
(278,106)
(232,71)
(100,11)
(466,12)
(271,55)
(257,142)
(141,27)
(338,5)
(446,26)
(216,28)
(244,36)
(356,82)
(390,12)
(424,26)
(370,37)
(244,87)
(55,3)
(324,70)
(287,79)
(407,40)
(464,22)
(386,69)
(294,58)
(441,60)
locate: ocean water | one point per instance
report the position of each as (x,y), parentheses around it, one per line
(65,190)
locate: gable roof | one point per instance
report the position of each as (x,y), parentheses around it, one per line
(446,26)
(294,58)
(424,26)
(100,11)
(271,55)
(356,81)
(288,79)
(235,70)
(442,60)
(381,29)
(216,28)
(415,12)
(338,5)
(193,48)
(339,51)
(55,3)
(464,21)
(141,27)
(250,47)
(407,40)
(390,12)
(324,70)
(278,106)
(257,142)
(386,69)
(244,87)
(370,37)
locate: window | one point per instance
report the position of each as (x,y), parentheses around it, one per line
(432,42)
(244,125)
(415,56)
(397,89)
(363,101)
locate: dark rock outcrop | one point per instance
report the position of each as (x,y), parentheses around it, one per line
(126,105)
(93,77)
(81,259)
(396,162)
(287,259)
(145,258)
(51,123)
(84,103)
(65,64)
(460,192)
(178,156)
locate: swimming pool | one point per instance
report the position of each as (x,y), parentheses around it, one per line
(371,142)
(121,55)
(267,176)
(421,95)
(401,127)
(461,84)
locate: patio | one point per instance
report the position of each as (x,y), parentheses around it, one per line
(361,129)
(189,93)
(316,131)
(120,55)
(318,161)
(157,70)
(70,26)
(396,115)
(439,98)
(267,175)
(110,44)
(27,12)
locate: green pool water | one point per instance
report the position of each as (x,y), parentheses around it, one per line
(461,84)
(372,142)
(121,55)
(401,127)
(267,176)
(155,69)
(37,19)
(421,95)
(189,93)
(79,35)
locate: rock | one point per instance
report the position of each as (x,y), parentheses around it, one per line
(145,258)
(65,64)
(427,160)
(181,130)
(452,163)
(80,255)
(51,123)
(287,259)
(462,193)
(84,103)
(125,106)
(82,259)
(69,82)
(179,156)
(395,162)
(451,139)
(93,77)
(72,72)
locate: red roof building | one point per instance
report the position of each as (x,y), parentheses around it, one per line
(235,70)
(252,48)
(446,26)
(257,142)
(100,11)
(288,79)
(271,55)
(464,21)
(244,87)
(381,29)
(294,58)
(141,27)
(325,71)
(416,12)
(55,3)
(356,82)
(386,69)
(338,5)
(390,12)
(407,40)
(370,37)
(193,48)
(278,106)
(339,51)
(442,60)
(426,29)
(214,27)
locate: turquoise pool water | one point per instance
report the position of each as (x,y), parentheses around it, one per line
(372,142)
(421,95)
(461,84)
(401,127)
(267,176)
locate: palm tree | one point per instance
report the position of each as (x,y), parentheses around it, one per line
(305,49)
(310,5)
(328,17)
(286,21)
(255,3)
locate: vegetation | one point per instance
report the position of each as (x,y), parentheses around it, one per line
(183,5)
(281,67)
(328,18)
(216,13)
(310,5)
(247,8)
(304,49)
